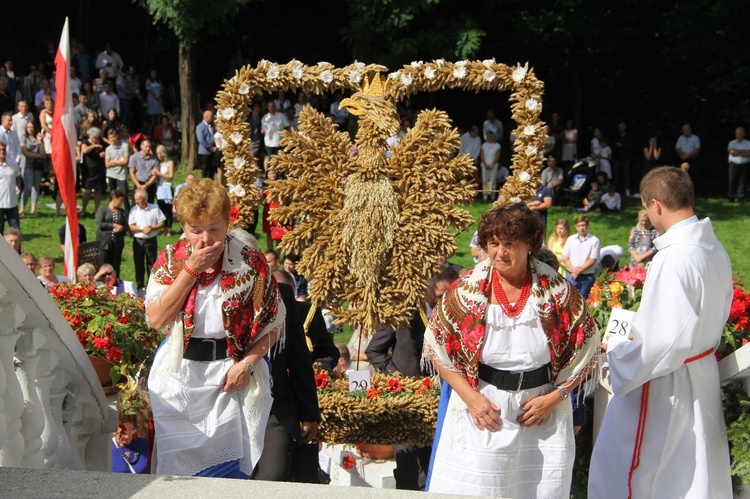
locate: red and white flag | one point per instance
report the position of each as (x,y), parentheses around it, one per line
(64,151)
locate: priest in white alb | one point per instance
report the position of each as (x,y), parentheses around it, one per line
(663,432)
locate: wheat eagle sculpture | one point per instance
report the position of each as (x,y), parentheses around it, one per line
(369,226)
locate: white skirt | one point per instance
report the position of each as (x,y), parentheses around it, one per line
(514,461)
(198,424)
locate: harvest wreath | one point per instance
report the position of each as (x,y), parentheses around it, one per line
(393,410)
(387,210)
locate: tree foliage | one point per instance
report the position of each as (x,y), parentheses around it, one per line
(191,19)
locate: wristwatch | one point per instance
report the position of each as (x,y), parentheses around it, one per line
(249,366)
(562,392)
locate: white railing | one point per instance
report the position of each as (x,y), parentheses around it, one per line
(53,411)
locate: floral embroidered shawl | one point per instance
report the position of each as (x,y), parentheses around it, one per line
(456,330)
(251,306)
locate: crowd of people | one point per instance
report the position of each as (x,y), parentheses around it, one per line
(492,349)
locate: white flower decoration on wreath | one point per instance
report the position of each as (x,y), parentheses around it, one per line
(416,64)
(297,71)
(489,75)
(406,79)
(326,76)
(239,162)
(236,137)
(524,177)
(227,113)
(355,76)
(429,73)
(359,65)
(237,190)
(244,89)
(273,73)
(533,105)
(515,200)
(519,74)
(531,150)
(488,62)
(529,130)
(393,75)
(459,72)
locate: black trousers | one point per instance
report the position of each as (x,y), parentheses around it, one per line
(113,254)
(738,180)
(206,163)
(283,459)
(412,465)
(144,256)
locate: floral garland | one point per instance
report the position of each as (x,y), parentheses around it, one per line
(235,100)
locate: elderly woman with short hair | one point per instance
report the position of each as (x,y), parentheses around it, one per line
(512,338)
(209,384)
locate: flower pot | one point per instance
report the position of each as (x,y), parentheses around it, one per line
(376,451)
(102,367)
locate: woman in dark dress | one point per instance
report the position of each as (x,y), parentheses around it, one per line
(93,168)
(111,223)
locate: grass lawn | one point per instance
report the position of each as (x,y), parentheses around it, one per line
(730,222)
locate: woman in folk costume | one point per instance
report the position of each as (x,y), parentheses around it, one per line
(209,385)
(512,338)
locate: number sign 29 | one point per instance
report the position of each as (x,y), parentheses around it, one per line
(359,380)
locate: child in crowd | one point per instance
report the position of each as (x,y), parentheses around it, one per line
(593,199)
(611,200)
(641,243)
(556,241)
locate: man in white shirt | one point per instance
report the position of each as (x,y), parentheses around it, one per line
(111,61)
(73,81)
(145,220)
(10,138)
(270,126)
(471,144)
(580,253)
(553,177)
(108,100)
(688,148)
(492,124)
(663,432)
(8,196)
(22,118)
(739,164)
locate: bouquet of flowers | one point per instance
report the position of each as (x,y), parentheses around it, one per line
(737,328)
(109,327)
(392,410)
(621,289)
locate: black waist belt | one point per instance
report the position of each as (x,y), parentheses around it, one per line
(206,349)
(513,381)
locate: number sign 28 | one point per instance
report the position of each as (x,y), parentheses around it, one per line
(620,323)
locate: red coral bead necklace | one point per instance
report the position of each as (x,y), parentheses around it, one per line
(511,310)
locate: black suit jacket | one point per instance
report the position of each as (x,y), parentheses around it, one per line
(406,344)
(324,350)
(295,398)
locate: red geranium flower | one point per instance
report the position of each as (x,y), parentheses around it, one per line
(321,380)
(234,214)
(394,386)
(102,343)
(114,354)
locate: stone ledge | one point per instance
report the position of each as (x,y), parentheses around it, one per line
(25,482)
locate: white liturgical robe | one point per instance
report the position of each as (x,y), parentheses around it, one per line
(663,432)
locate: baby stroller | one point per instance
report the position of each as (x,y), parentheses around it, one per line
(578,180)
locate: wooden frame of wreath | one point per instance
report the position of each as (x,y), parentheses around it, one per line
(234,103)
